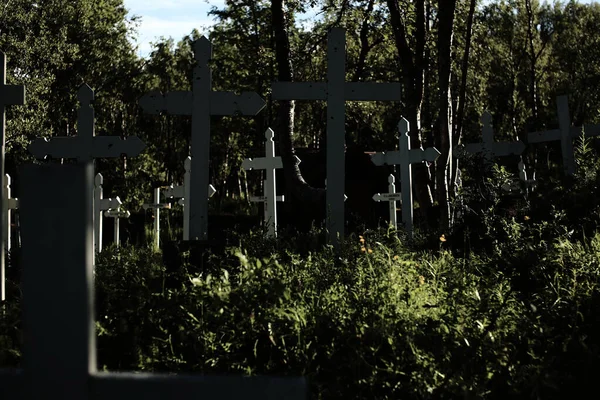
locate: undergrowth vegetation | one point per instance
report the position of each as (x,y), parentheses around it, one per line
(503,306)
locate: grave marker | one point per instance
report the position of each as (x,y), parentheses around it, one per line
(9,204)
(86,147)
(58,287)
(391,197)
(565,133)
(156,206)
(116,214)
(101,204)
(201,103)
(336,91)
(488,147)
(9,95)
(404,158)
(269,163)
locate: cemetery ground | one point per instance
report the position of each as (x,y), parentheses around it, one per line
(504,306)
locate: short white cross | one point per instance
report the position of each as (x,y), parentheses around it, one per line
(391,197)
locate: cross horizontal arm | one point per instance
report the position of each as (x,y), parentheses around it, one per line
(126,386)
(415,155)
(387,197)
(221,103)
(543,136)
(353,91)
(507,149)
(73,147)
(262,163)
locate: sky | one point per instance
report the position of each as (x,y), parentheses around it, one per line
(177,18)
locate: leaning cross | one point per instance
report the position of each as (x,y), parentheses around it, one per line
(269,163)
(488,147)
(336,92)
(391,197)
(201,103)
(9,95)
(405,157)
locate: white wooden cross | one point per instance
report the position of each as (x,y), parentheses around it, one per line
(488,147)
(58,292)
(183,192)
(269,163)
(9,204)
(565,133)
(100,205)
(391,197)
(85,147)
(336,91)
(156,206)
(116,214)
(405,157)
(9,95)
(201,103)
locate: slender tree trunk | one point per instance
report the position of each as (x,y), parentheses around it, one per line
(284,115)
(412,86)
(446,10)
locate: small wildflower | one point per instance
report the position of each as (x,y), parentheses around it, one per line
(363,249)
(370,251)
(526,218)
(443,238)
(421,279)
(361,239)
(396,257)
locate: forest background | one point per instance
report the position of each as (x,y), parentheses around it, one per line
(455,59)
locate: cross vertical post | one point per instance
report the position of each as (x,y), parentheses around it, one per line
(187,183)
(566,144)
(100,205)
(9,95)
(10,204)
(156,206)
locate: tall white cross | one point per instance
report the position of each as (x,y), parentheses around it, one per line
(269,163)
(85,147)
(391,197)
(488,147)
(336,91)
(405,157)
(201,103)
(9,95)
(58,291)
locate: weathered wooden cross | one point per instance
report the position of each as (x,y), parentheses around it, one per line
(9,95)
(269,163)
(488,147)
(9,204)
(85,147)
(405,157)
(336,91)
(391,197)
(156,206)
(201,103)
(100,205)
(565,133)
(116,214)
